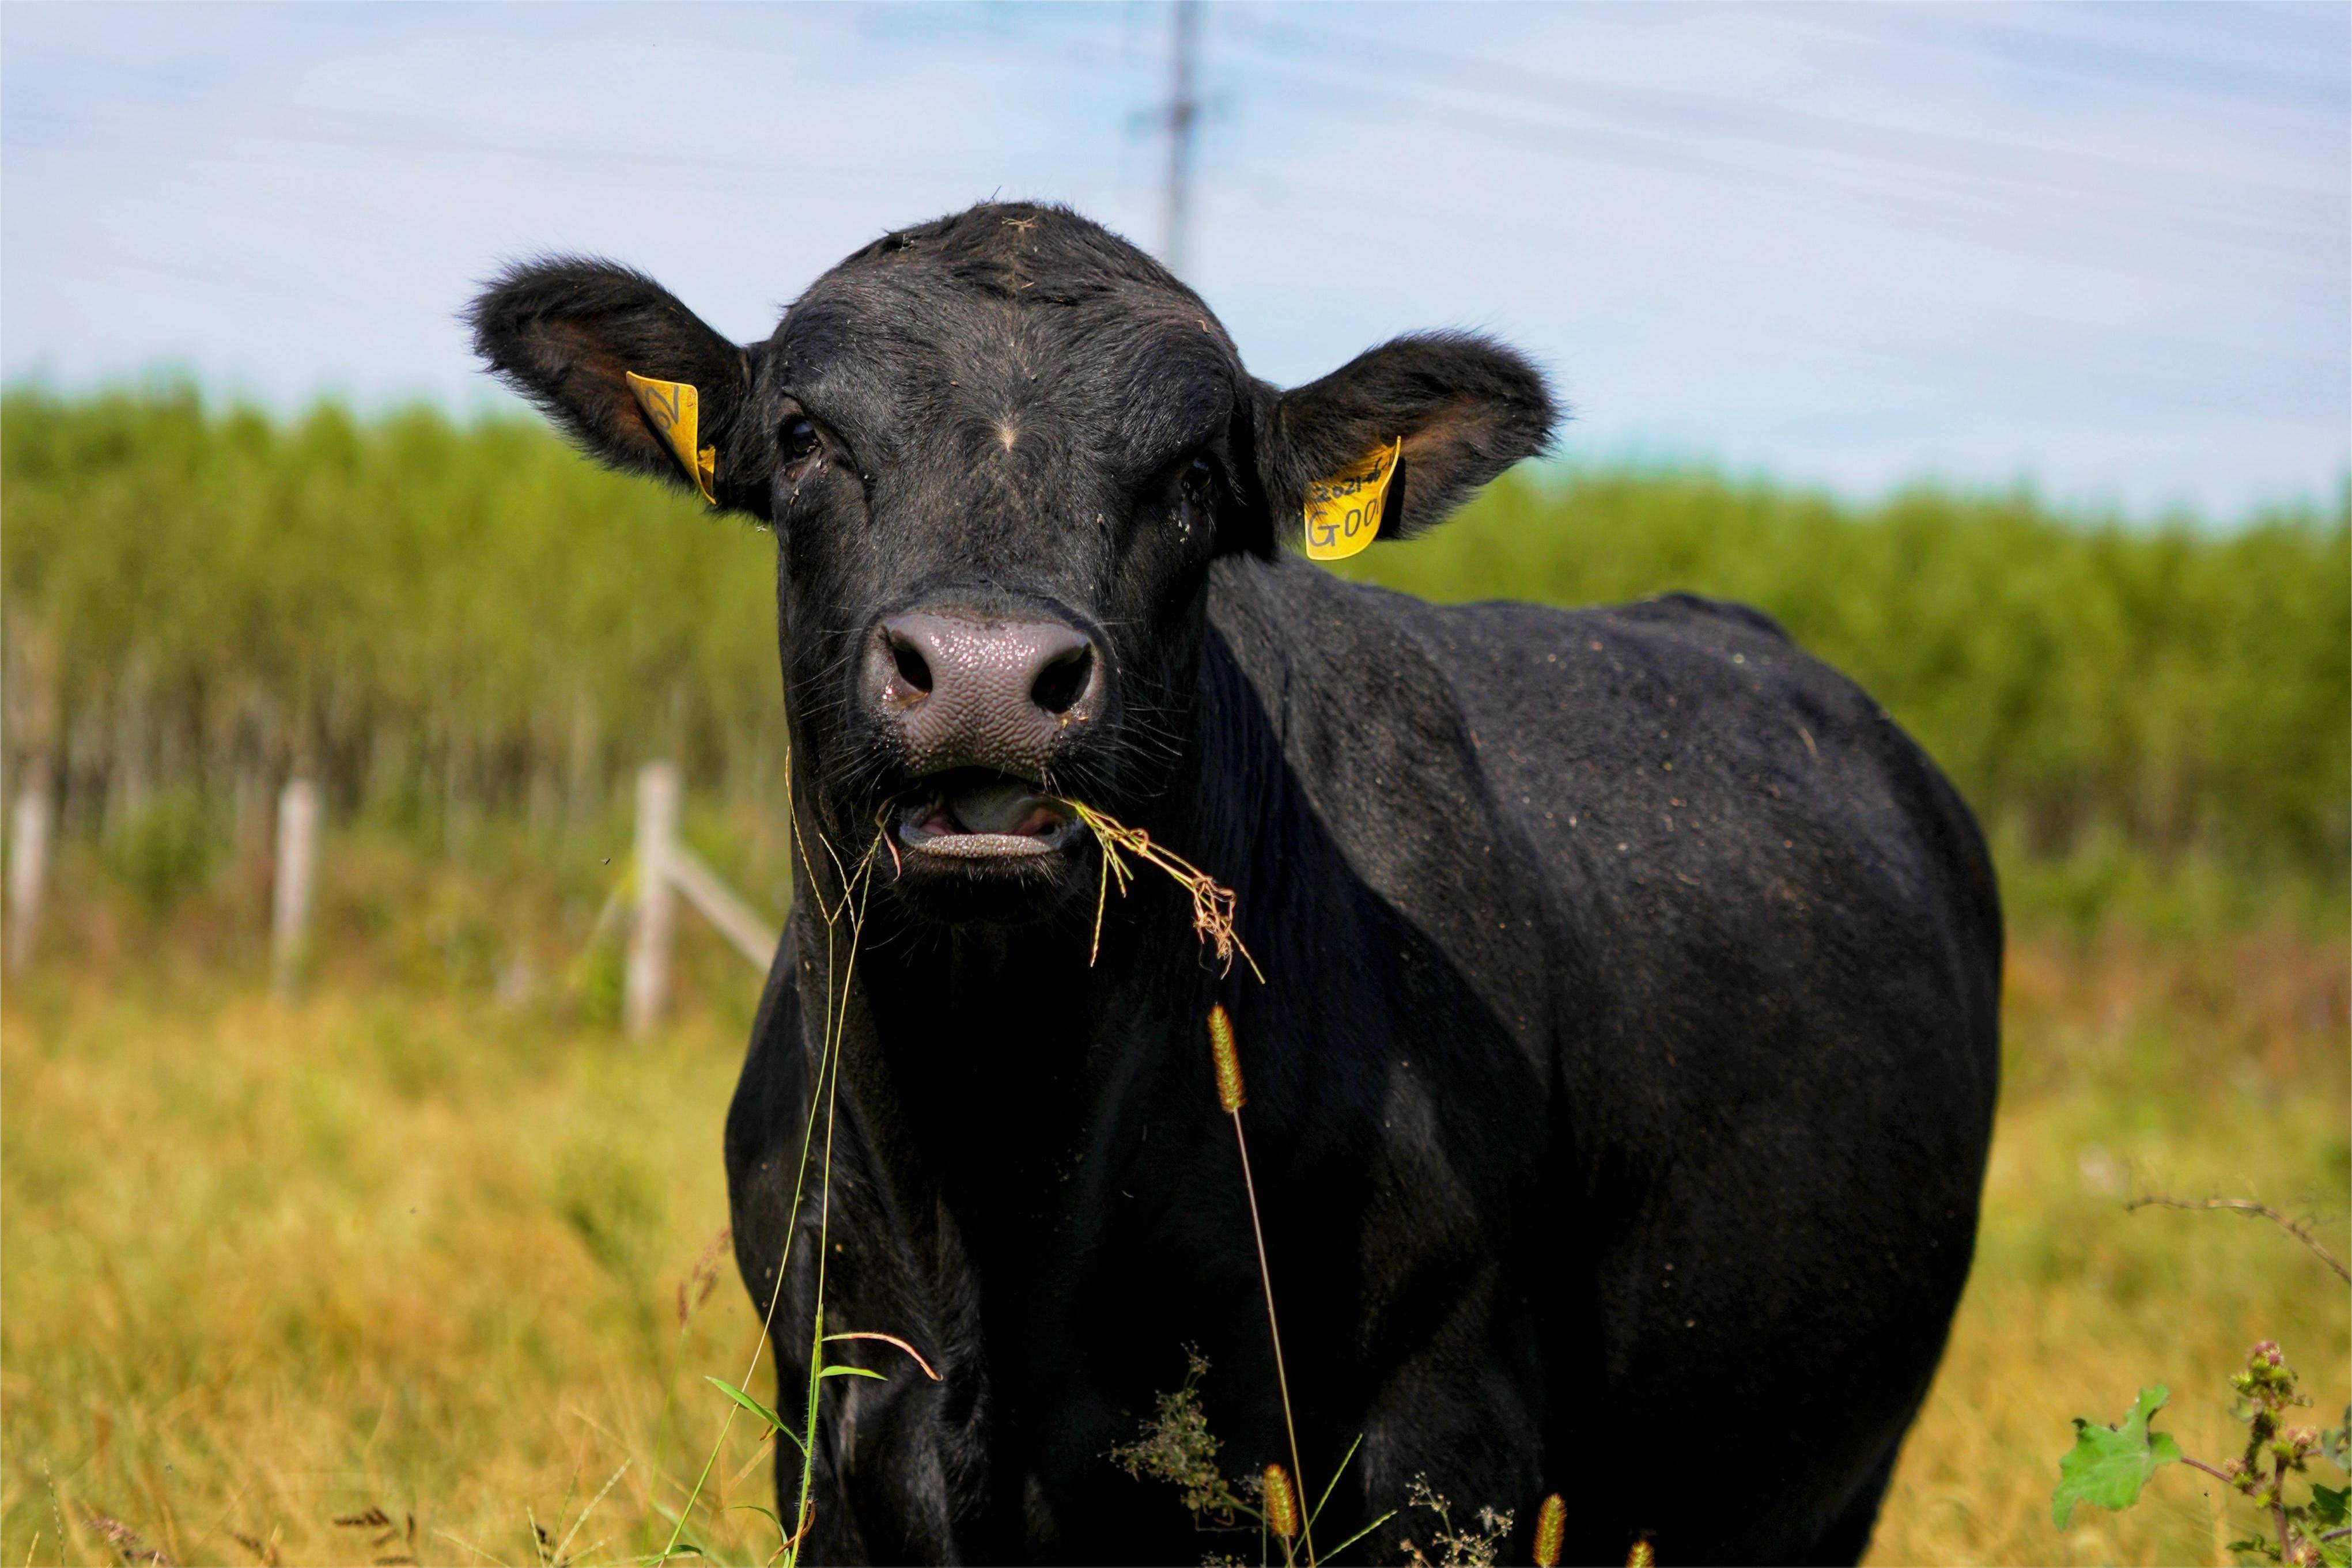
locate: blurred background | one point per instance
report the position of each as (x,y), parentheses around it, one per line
(2004,352)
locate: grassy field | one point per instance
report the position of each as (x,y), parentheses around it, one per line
(415,1245)
(419,1244)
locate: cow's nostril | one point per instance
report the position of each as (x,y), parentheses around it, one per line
(912,669)
(1063,680)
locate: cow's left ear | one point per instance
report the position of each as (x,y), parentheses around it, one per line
(1461,408)
(604,352)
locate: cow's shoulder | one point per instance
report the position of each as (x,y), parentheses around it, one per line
(1347,669)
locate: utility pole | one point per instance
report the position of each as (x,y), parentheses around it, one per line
(1183,113)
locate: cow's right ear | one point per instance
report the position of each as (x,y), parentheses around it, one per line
(571,332)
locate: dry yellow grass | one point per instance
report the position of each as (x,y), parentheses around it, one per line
(2213,1070)
(268,1267)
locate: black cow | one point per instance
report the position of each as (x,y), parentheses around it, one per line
(1620,1080)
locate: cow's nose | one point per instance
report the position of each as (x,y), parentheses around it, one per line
(969,690)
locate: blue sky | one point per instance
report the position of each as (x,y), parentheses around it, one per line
(2103,249)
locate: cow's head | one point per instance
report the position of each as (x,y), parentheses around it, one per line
(998,453)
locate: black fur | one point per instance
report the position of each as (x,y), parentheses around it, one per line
(1621,1084)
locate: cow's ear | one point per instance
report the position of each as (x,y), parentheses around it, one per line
(602,349)
(1457,408)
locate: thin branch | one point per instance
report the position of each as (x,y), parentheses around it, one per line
(2293,1227)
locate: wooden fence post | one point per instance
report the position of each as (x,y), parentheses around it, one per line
(645,991)
(298,858)
(28,856)
(736,920)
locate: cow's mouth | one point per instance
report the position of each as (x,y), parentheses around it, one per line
(975,814)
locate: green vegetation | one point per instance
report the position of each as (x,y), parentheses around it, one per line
(2111,1466)
(431,620)
(438,619)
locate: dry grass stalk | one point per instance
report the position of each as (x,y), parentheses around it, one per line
(2248,1206)
(1213,901)
(854,885)
(125,1540)
(388,1533)
(792,1541)
(836,1016)
(1469,1546)
(265,1551)
(1231,1093)
(564,1546)
(703,1276)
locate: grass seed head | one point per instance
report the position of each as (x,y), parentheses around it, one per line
(1229,1061)
(1641,1556)
(1551,1524)
(1281,1504)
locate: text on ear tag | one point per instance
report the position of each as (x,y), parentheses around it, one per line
(1343,512)
(674,411)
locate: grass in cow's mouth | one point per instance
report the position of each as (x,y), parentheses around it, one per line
(1213,901)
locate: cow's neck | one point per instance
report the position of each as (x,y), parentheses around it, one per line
(990,1063)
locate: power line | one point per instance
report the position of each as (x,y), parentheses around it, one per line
(1964,164)
(1881,192)
(1183,114)
(2243,85)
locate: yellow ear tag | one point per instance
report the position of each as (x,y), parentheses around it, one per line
(675,408)
(1343,512)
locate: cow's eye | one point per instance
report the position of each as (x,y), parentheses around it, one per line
(1198,474)
(797,440)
